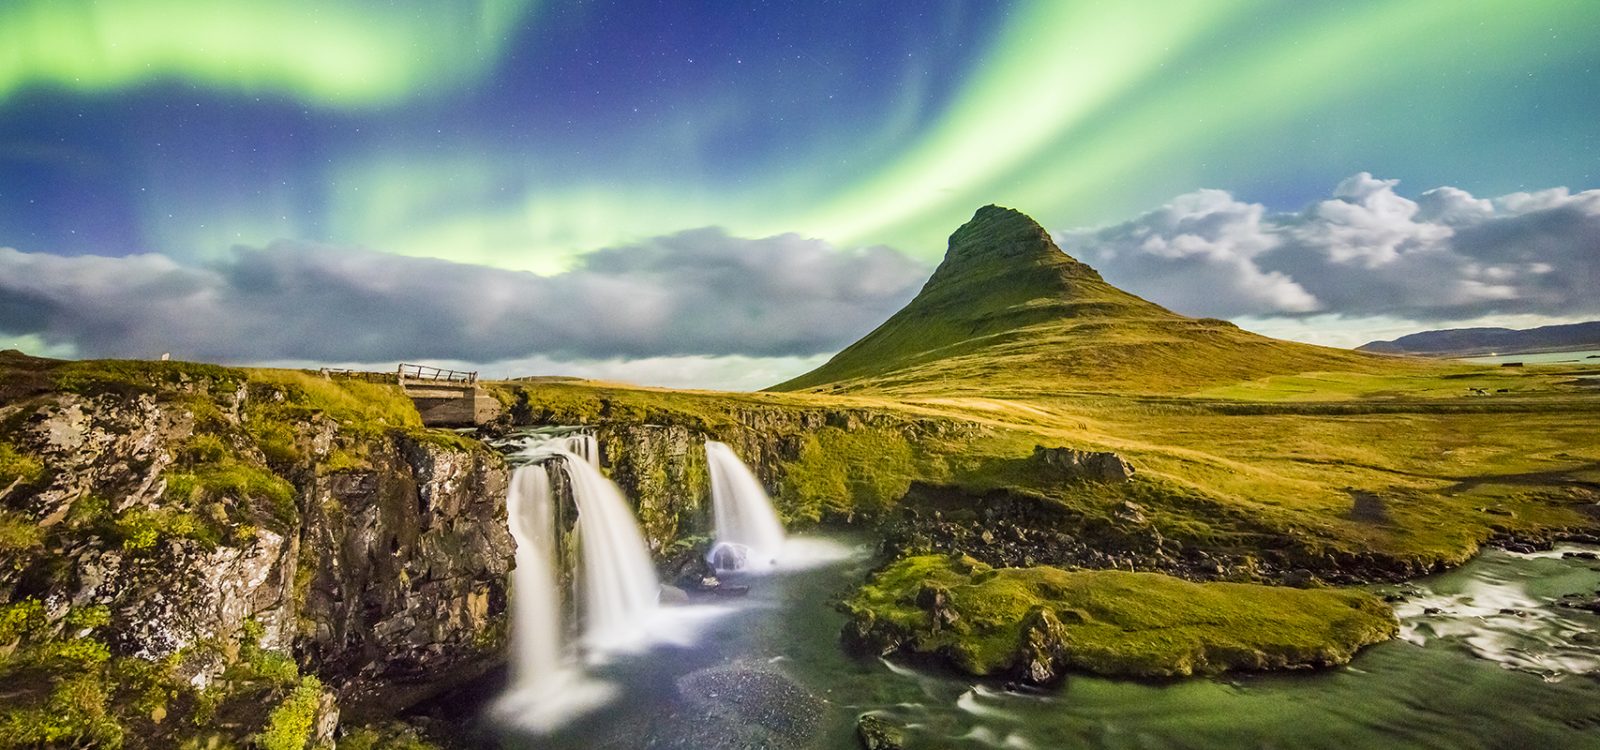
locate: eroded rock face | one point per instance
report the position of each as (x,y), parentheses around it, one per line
(407,568)
(662,469)
(386,579)
(1099,466)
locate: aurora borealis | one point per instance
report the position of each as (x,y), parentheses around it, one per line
(527,135)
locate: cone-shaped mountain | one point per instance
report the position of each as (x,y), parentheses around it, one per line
(1007,312)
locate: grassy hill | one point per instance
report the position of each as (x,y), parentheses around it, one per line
(1009,313)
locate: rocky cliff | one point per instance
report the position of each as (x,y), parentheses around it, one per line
(820,461)
(200,553)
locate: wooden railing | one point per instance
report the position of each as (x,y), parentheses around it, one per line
(434,374)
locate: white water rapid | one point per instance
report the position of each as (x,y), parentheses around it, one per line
(749,533)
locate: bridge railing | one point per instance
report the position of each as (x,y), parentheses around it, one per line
(434,374)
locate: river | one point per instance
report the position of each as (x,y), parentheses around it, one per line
(1464,675)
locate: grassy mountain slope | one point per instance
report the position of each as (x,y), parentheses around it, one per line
(1008,312)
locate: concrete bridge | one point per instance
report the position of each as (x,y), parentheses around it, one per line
(447,398)
(444,398)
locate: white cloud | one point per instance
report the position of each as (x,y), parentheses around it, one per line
(1366,252)
(699,293)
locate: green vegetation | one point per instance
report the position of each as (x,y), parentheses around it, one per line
(17,536)
(1116,623)
(18,468)
(290,724)
(393,736)
(1009,314)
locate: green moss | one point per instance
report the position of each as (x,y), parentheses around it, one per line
(141,529)
(446,439)
(246,482)
(21,619)
(343,460)
(88,618)
(18,535)
(18,467)
(392,736)
(93,377)
(1119,623)
(74,715)
(289,725)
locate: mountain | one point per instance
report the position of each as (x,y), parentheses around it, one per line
(1008,312)
(1470,341)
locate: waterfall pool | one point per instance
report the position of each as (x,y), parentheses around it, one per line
(767,670)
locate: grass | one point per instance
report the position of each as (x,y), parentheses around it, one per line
(1008,313)
(1119,623)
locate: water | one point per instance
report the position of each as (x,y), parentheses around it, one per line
(620,588)
(546,686)
(1440,694)
(744,515)
(1587,357)
(536,656)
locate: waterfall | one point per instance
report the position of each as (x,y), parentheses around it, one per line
(748,530)
(583,445)
(536,604)
(620,589)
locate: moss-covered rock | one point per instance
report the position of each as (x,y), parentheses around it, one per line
(202,553)
(1032,623)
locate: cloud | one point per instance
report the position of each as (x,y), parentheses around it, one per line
(695,293)
(1367,251)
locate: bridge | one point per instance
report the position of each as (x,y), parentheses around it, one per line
(444,398)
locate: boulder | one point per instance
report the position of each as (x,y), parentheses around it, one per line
(1100,466)
(877,733)
(1043,650)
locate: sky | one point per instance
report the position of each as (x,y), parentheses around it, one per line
(723,194)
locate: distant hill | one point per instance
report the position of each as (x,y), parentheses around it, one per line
(1480,341)
(1009,312)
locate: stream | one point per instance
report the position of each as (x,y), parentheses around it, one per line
(1464,674)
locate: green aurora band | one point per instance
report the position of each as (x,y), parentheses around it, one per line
(326,53)
(1080,114)
(1083,114)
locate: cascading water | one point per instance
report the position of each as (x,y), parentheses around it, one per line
(582,444)
(620,588)
(536,659)
(748,530)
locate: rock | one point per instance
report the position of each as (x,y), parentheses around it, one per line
(877,733)
(1043,648)
(1130,513)
(935,600)
(672,595)
(1432,611)
(1583,555)
(728,556)
(1301,578)
(1094,465)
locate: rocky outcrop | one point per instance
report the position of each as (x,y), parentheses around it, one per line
(1093,465)
(1033,624)
(819,463)
(662,468)
(407,567)
(213,525)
